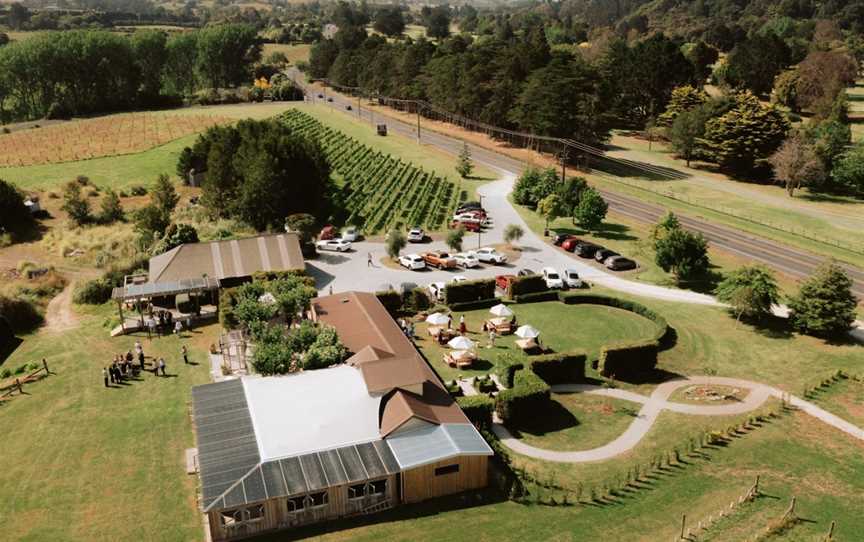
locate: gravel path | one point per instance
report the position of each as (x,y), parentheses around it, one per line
(656,403)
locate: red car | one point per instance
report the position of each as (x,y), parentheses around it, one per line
(467,226)
(327,232)
(570,243)
(503,281)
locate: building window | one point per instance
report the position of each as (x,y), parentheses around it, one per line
(357,491)
(296,504)
(239,516)
(447,469)
(378,487)
(255,512)
(317,499)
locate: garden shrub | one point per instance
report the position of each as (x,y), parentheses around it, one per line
(228,299)
(391,300)
(507,367)
(92,292)
(416,300)
(277,275)
(525,399)
(474,305)
(470,290)
(478,409)
(536,297)
(529,284)
(137,190)
(627,360)
(20,313)
(560,367)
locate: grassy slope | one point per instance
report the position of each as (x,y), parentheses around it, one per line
(89,463)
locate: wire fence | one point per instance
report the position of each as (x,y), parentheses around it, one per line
(584,155)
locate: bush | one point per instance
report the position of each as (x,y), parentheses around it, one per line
(92,292)
(228,300)
(268,276)
(628,360)
(560,367)
(20,313)
(474,305)
(137,190)
(527,285)
(391,300)
(470,290)
(537,297)
(525,399)
(416,300)
(478,409)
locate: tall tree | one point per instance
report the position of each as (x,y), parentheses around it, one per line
(75,205)
(750,291)
(225,53)
(164,196)
(797,164)
(824,305)
(464,166)
(150,52)
(754,63)
(438,22)
(591,211)
(389,21)
(682,253)
(550,208)
(686,131)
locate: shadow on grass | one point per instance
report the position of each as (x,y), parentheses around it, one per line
(552,418)
(12,344)
(830,198)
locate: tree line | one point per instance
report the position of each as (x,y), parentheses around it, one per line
(80,72)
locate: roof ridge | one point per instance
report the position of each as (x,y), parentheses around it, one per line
(232,486)
(176,251)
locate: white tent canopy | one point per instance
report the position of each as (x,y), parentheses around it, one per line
(501,310)
(527,332)
(461,343)
(437,319)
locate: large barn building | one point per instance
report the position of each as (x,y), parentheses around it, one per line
(376,432)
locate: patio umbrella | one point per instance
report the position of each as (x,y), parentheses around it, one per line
(501,310)
(527,332)
(437,319)
(461,343)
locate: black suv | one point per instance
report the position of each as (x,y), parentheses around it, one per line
(587,250)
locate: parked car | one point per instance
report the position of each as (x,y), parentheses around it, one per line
(559,238)
(471,217)
(620,263)
(572,280)
(603,254)
(586,249)
(439,259)
(570,243)
(469,206)
(488,255)
(416,235)
(467,226)
(524,272)
(466,260)
(503,281)
(552,278)
(338,245)
(350,234)
(327,232)
(414,262)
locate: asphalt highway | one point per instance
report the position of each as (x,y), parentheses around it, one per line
(791,261)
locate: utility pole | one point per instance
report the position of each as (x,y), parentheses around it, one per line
(418,123)
(563,155)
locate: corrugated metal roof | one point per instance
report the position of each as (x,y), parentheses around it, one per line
(433,443)
(151,289)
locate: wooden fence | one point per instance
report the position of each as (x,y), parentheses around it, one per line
(12,386)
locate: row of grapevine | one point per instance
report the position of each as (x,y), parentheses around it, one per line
(383,192)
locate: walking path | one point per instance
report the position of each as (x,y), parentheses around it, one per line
(656,403)
(59,315)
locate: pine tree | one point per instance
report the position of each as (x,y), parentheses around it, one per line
(825,305)
(464,166)
(111,210)
(75,205)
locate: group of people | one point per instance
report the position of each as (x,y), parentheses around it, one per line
(123,366)
(407,327)
(163,323)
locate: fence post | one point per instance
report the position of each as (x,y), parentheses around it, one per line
(18,384)
(831,531)
(45,365)
(683,524)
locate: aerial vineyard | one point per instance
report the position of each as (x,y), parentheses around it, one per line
(383,192)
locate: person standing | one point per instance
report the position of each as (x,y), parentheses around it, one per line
(178,328)
(462,327)
(105,376)
(141,359)
(185,353)
(369,260)
(162,365)
(492,338)
(449,321)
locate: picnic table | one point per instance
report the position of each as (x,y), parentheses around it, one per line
(461,359)
(527,345)
(501,325)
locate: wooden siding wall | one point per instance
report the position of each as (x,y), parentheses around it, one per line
(277,517)
(421,483)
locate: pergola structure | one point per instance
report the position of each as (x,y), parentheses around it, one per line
(149,290)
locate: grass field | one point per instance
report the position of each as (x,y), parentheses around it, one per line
(294,53)
(845,399)
(562,327)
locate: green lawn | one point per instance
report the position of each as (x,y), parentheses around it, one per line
(845,399)
(562,327)
(577,421)
(88,463)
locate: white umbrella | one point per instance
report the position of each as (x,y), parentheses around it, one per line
(501,310)
(527,332)
(437,319)
(461,343)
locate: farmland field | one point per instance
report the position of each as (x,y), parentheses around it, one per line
(99,137)
(383,191)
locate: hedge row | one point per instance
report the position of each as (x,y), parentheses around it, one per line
(474,305)
(529,284)
(627,360)
(266,276)
(470,290)
(410,301)
(560,367)
(525,399)
(391,300)
(537,297)
(478,409)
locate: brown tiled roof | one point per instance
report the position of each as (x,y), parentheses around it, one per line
(362,322)
(228,258)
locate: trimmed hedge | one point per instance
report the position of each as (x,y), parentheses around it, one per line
(474,305)
(416,300)
(530,284)
(478,409)
(537,297)
(468,291)
(560,367)
(528,395)
(576,298)
(391,300)
(627,360)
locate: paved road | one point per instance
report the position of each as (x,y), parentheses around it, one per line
(656,403)
(791,261)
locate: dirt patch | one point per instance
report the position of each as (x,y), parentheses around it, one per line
(59,315)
